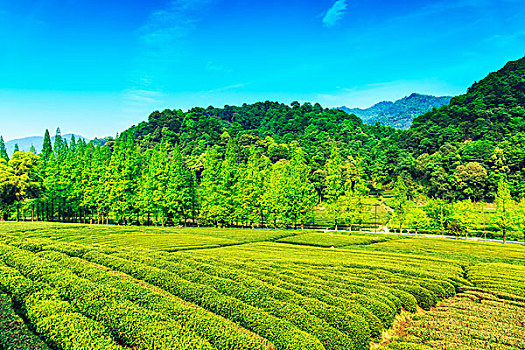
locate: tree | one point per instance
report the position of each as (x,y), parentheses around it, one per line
(179,197)
(356,192)
(400,201)
(27,183)
(60,143)
(3,150)
(250,188)
(7,188)
(503,207)
(226,187)
(416,217)
(463,215)
(209,196)
(46,147)
(471,180)
(299,189)
(334,184)
(520,217)
(122,173)
(16,149)
(274,197)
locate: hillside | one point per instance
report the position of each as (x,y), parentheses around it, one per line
(25,143)
(275,123)
(461,150)
(492,110)
(398,114)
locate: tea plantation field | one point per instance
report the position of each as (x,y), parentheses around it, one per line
(70,286)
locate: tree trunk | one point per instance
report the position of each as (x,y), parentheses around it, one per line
(504,224)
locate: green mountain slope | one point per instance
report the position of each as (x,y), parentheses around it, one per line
(493,109)
(398,114)
(312,125)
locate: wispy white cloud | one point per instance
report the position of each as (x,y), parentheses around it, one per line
(161,40)
(174,21)
(335,13)
(226,88)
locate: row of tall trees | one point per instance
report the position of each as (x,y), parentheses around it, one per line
(232,183)
(121,182)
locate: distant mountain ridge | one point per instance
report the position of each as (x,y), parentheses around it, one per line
(25,143)
(399,114)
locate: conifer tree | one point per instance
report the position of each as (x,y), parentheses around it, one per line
(47,149)
(503,206)
(356,193)
(3,150)
(334,185)
(400,201)
(274,197)
(226,187)
(299,190)
(178,189)
(210,198)
(17,149)
(58,146)
(250,189)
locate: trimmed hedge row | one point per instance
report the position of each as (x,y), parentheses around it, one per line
(54,319)
(347,322)
(281,333)
(344,300)
(266,297)
(499,277)
(220,332)
(401,299)
(348,306)
(14,333)
(131,324)
(404,346)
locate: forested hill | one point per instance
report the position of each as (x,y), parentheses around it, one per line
(492,110)
(399,114)
(271,124)
(460,150)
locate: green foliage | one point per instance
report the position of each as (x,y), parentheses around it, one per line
(14,333)
(138,292)
(455,322)
(3,150)
(56,320)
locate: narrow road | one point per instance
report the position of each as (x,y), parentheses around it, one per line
(430,236)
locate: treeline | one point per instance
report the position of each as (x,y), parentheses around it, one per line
(230,184)
(445,161)
(455,152)
(414,211)
(121,182)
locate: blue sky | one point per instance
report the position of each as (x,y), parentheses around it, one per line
(96,67)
